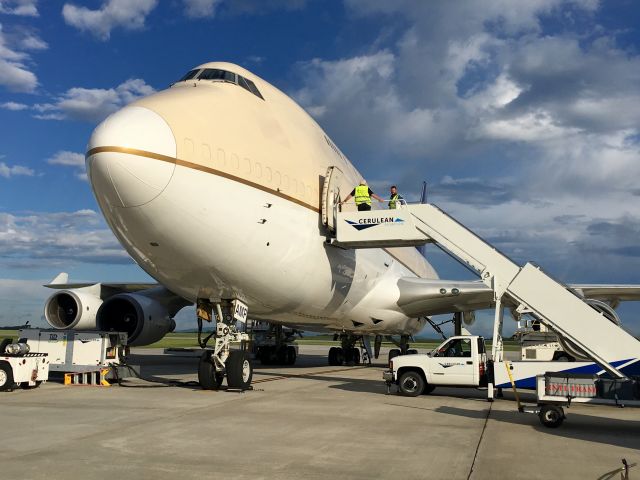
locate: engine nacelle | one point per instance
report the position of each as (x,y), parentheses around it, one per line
(144,319)
(72,309)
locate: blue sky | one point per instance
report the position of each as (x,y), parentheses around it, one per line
(523,117)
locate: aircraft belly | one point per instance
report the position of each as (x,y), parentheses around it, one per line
(204,232)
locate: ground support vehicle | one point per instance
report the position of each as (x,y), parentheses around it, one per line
(557,390)
(26,370)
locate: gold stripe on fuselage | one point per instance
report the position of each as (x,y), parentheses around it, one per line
(202,168)
(213,171)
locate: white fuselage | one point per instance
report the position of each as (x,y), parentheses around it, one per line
(215,193)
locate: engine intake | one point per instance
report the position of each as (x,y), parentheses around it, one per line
(72,309)
(144,319)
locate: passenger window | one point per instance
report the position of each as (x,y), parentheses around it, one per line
(258,170)
(460,347)
(285,182)
(277,179)
(235,161)
(267,173)
(247,166)
(206,153)
(221,160)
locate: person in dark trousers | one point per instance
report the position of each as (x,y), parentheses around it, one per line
(396,199)
(363,194)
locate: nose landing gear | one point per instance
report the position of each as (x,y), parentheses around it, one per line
(219,361)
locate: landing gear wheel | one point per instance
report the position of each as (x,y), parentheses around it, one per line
(6,377)
(239,370)
(336,356)
(411,384)
(207,376)
(4,343)
(393,353)
(291,355)
(356,356)
(551,416)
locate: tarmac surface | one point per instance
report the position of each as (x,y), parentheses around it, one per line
(308,421)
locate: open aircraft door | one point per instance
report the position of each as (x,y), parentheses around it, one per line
(331,196)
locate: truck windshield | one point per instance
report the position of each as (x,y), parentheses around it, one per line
(458,347)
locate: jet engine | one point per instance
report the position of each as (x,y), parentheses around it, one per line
(145,319)
(72,309)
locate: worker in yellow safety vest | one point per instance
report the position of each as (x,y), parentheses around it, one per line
(396,200)
(363,194)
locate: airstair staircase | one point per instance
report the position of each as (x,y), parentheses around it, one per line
(528,288)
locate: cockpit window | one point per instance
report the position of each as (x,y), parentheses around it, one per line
(215,74)
(189,75)
(224,76)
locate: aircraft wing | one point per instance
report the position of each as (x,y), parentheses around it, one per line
(422,297)
(612,294)
(61,282)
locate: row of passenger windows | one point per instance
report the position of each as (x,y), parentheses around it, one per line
(222,76)
(251,170)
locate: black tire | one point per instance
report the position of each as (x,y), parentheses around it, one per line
(393,353)
(264,355)
(207,376)
(336,357)
(291,355)
(356,356)
(551,416)
(4,343)
(26,386)
(6,377)
(411,384)
(239,370)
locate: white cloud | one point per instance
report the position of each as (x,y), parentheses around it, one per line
(14,106)
(200,8)
(27,8)
(7,171)
(70,159)
(127,14)
(66,158)
(14,74)
(92,104)
(58,239)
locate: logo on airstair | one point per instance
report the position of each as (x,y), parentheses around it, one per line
(364,223)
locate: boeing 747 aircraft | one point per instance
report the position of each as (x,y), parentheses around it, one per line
(214,187)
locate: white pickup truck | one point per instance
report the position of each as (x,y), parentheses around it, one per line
(459,361)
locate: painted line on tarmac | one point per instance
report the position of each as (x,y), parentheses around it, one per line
(309,374)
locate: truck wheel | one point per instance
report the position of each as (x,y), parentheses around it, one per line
(551,416)
(239,370)
(6,377)
(411,384)
(4,343)
(207,376)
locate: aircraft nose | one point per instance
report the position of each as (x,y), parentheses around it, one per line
(131,157)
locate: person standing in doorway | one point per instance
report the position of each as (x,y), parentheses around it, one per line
(362,194)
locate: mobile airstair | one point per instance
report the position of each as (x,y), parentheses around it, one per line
(526,288)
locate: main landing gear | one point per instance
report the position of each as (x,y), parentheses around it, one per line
(403,347)
(349,353)
(274,346)
(220,361)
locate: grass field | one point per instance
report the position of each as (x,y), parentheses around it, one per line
(190,340)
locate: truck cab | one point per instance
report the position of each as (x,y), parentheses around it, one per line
(460,361)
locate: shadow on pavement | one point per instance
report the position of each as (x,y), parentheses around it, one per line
(616,432)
